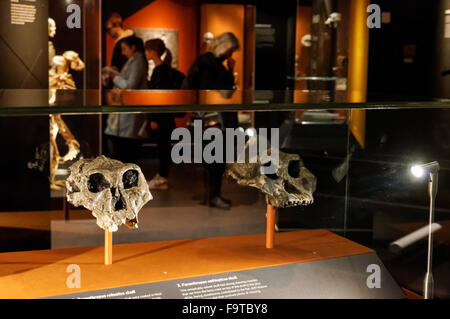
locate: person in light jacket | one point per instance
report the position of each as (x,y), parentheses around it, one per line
(122,129)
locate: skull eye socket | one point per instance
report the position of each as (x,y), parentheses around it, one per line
(130,179)
(294,168)
(97,182)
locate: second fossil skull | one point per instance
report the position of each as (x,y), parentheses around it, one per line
(291,183)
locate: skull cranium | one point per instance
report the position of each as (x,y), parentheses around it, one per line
(292,184)
(115,192)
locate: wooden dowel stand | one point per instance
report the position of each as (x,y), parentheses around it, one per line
(108,247)
(270,230)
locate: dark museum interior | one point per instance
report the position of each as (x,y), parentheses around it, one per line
(358,91)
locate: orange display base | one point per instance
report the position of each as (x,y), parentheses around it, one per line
(39,274)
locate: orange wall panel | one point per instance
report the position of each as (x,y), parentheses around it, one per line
(168,14)
(302,53)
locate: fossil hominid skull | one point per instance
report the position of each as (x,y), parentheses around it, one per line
(115,192)
(292,184)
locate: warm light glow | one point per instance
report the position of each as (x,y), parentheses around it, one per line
(417,170)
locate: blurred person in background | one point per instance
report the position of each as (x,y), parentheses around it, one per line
(114,27)
(164,77)
(208,72)
(122,130)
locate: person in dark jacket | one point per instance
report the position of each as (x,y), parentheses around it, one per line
(209,73)
(164,77)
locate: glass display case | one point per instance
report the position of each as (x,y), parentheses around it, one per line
(318,170)
(364,193)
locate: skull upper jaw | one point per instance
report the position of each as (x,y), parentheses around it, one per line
(290,200)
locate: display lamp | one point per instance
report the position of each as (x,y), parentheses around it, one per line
(429,170)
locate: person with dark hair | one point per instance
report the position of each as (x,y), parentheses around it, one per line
(164,77)
(133,74)
(209,73)
(114,27)
(123,129)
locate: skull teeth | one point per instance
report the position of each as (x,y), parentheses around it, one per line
(297,202)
